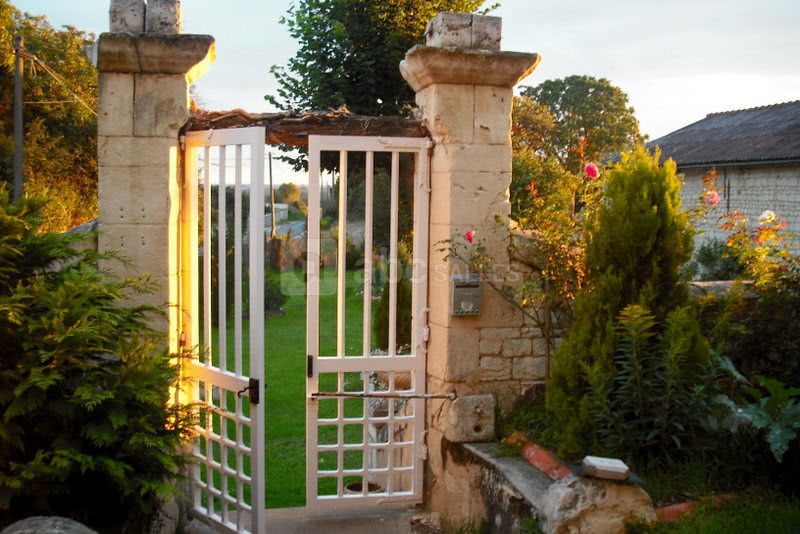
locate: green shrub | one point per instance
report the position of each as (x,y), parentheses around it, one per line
(713,261)
(655,405)
(403,318)
(274,298)
(635,244)
(86,428)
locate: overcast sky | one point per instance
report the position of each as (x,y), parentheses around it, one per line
(676,59)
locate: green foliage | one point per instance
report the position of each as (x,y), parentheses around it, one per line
(635,244)
(777,413)
(713,261)
(592,119)
(403,318)
(757,324)
(287,193)
(61,138)
(764,512)
(654,407)
(553,137)
(88,428)
(274,297)
(349,52)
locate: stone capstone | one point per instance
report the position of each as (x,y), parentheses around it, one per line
(47,525)
(427,65)
(156,54)
(471,419)
(127,16)
(164,16)
(583,504)
(463,30)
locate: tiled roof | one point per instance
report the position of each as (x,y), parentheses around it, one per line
(755,135)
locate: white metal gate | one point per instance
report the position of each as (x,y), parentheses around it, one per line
(365,415)
(228,476)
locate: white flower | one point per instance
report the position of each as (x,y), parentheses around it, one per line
(767,216)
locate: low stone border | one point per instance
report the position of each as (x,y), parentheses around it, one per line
(560,500)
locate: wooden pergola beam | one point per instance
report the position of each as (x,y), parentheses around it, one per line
(293,128)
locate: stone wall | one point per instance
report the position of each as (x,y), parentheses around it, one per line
(751,190)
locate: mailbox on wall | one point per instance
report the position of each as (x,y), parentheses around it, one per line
(466,294)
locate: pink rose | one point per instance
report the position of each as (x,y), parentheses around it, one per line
(711,197)
(469,234)
(591,171)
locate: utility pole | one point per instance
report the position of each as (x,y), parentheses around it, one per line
(272,198)
(19,133)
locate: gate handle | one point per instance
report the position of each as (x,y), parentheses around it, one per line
(252,389)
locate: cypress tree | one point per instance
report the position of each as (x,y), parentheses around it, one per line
(635,244)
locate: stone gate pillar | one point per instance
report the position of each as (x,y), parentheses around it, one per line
(463,85)
(143,101)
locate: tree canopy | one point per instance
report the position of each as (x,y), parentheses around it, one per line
(60,134)
(591,119)
(350,51)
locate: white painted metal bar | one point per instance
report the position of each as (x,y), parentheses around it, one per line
(222,254)
(341,259)
(221,479)
(237,263)
(393,280)
(312,315)
(368,207)
(207,341)
(419,297)
(256,311)
(403,423)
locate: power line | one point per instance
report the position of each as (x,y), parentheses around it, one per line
(56,77)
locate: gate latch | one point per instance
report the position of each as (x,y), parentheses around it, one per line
(252,390)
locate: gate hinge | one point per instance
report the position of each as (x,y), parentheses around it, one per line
(426,333)
(253,391)
(182,141)
(310,367)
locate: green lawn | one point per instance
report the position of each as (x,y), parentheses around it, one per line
(753,514)
(285,365)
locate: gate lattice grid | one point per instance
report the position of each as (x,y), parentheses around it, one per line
(366,447)
(229,449)
(229,477)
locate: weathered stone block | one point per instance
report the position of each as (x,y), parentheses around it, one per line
(516,347)
(490,345)
(115,103)
(495,368)
(134,195)
(164,16)
(453,353)
(493,117)
(424,66)
(471,418)
(539,347)
(146,247)
(530,368)
(156,54)
(487,32)
(443,108)
(47,525)
(135,151)
(496,309)
(480,158)
(462,30)
(126,16)
(583,504)
(161,106)
(470,200)
(449,29)
(471,207)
